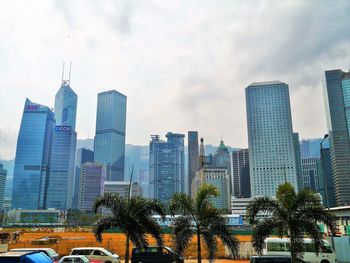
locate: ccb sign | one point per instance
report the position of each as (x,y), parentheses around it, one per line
(63,128)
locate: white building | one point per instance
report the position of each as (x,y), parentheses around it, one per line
(270,135)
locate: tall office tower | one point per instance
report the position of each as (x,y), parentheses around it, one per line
(3,173)
(109,147)
(193,157)
(240,174)
(166,166)
(32,163)
(337,100)
(298,160)
(222,158)
(220,178)
(270,136)
(61,182)
(202,156)
(312,174)
(92,176)
(83,156)
(328,176)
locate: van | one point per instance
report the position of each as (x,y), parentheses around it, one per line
(96,253)
(24,257)
(52,254)
(155,255)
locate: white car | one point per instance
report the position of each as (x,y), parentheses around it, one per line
(96,253)
(76,259)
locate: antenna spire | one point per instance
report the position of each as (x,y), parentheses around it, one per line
(63,71)
(70,71)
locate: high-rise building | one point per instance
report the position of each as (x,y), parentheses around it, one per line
(312,174)
(270,136)
(109,146)
(220,178)
(122,188)
(167,166)
(222,158)
(240,174)
(193,157)
(92,180)
(298,160)
(83,156)
(328,176)
(337,100)
(3,173)
(61,182)
(32,163)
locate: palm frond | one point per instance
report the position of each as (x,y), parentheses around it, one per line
(261,231)
(316,235)
(103,224)
(183,232)
(152,227)
(107,200)
(260,204)
(307,197)
(203,196)
(181,203)
(211,244)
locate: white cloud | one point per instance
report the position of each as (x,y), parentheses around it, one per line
(183,64)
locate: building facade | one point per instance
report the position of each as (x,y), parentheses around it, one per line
(109,146)
(312,175)
(122,188)
(326,163)
(337,100)
(240,174)
(220,178)
(83,156)
(167,166)
(193,157)
(270,137)
(32,162)
(92,176)
(297,155)
(3,173)
(61,182)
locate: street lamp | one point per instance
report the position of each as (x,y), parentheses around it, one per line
(323,170)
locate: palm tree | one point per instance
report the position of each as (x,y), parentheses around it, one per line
(133,216)
(293,215)
(198,217)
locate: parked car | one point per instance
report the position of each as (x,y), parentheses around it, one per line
(77,259)
(272,259)
(96,253)
(155,255)
(24,257)
(52,254)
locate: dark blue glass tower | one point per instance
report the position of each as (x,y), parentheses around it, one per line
(32,163)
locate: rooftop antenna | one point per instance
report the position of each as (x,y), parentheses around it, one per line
(70,71)
(63,71)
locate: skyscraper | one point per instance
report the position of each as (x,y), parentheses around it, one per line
(240,174)
(109,147)
(167,166)
(32,163)
(3,173)
(337,100)
(312,174)
(297,155)
(61,182)
(92,176)
(83,156)
(193,157)
(328,176)
(222,158)
(270,136)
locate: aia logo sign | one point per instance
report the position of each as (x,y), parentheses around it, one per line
(32,107)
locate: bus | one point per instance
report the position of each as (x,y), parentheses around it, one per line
(281,246)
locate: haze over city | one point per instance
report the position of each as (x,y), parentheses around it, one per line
(183,65)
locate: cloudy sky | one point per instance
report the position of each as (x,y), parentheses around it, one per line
(184,65)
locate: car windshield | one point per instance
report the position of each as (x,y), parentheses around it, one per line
(168,248)
(51,252)
(85,259)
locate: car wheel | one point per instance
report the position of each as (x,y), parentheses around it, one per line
(324,261)
(139,261)
(108,262)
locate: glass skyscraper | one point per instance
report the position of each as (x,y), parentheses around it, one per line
(3,173)
(240,174)
(337,100)
(61,182)
(193,157)
(109,147)
(167,166)
(32,163)
(270,136)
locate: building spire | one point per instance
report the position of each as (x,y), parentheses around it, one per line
(202,155)
(67,81)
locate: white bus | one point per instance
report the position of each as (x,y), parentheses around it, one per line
(281,246)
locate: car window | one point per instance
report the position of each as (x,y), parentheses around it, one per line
(165,251)
(78,260)
(82,252)
(67,260)
(275,247)
(326,249)
(99,253)
(51,252)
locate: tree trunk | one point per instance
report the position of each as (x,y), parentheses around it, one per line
(292,247)
(127,248)
(199,256)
